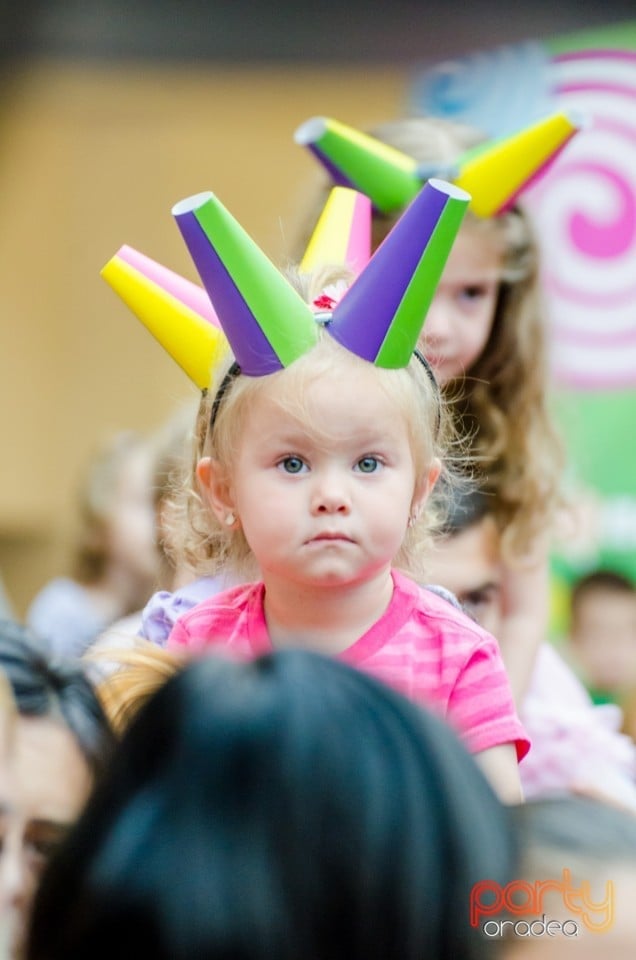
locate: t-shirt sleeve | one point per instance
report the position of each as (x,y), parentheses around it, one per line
(164,608)
(158,618)
(192,630)
(219,622)
(481,706)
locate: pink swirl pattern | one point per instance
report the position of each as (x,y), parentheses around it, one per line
(605,240)
(586,217)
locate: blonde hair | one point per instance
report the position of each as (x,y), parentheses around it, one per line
(173,446)
(142,670)
(186,524)
(211,547)
(500,406)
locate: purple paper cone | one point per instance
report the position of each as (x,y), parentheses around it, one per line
(381,316)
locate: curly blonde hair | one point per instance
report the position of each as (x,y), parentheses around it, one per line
(500,406)
(209,546)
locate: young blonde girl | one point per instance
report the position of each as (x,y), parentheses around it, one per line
(485,337)
(319,474)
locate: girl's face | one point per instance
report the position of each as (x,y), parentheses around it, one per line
(461,315)
(324,501)
(47,788)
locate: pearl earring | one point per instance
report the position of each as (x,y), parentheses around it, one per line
(412,520)
(230,520)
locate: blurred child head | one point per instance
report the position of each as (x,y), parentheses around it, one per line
(492,270)
(485,337)
(491,273)
(603,630)
(306,810)
(117,517)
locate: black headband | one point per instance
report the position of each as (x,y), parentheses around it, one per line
(231,375)
(431,376)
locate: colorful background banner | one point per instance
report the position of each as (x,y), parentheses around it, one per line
(585,215)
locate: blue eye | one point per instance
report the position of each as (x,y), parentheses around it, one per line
(368,464)
(292,465)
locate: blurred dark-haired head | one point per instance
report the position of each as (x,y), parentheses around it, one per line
(45,686)
(59,745)
(286,808)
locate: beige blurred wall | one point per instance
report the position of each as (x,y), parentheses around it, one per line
(93,157)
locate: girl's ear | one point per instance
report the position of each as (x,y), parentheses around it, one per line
(215,488)
(424,486)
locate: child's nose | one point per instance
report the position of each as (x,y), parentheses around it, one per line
(437,323)
(14,880)
(331,494)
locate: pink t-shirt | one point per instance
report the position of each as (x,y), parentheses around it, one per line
(421,646)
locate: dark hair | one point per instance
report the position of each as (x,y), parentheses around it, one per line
(44,686)
(287,808)
(467,506)
(576,826)
(600,580)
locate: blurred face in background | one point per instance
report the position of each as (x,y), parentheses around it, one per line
(603,635)
(130,521)
(46,783)
(468,564)
(460,318)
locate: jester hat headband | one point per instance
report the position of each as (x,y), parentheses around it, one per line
(380,317)
(494,173)
(179,313)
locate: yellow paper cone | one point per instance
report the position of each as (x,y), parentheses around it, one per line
(193,342)
(498,173)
